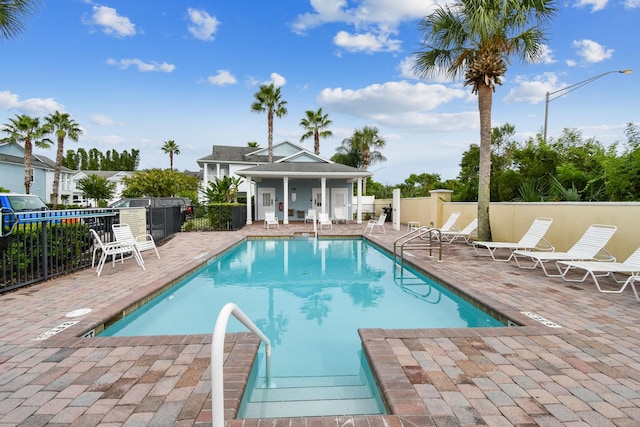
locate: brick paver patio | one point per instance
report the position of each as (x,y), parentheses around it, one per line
(585,372)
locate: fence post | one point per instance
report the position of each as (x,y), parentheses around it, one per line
(438,198)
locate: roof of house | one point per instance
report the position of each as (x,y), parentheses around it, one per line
(231,154)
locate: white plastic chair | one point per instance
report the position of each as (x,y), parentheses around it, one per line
(533,239)
(270,219)
(378,224)
(123,233)
(323,219)
(340,214)
(112,249)
(465,234)
(590,247)
(310,216)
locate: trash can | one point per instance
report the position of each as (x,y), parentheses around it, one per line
(387,210)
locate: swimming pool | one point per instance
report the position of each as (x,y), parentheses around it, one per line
(310,297)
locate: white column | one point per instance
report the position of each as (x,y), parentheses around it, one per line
(359,192)
(249,208)
(323,186)
(285,191)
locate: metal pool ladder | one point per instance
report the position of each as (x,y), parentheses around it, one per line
(217,358)
(423,238)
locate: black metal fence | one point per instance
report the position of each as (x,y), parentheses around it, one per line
(216,217)
(38,246)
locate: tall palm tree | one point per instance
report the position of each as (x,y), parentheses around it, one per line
(477,38)
(268,99)
(368,141)
(13,15)
(171,148)
(27,130)
(64,127)
(315,125)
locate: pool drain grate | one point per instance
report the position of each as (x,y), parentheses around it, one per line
(53,331)
(541,319)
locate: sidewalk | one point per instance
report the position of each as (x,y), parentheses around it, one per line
(586,372)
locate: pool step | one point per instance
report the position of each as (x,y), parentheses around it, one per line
(311,396)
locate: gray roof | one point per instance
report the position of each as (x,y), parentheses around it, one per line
(233,154)
(35,161)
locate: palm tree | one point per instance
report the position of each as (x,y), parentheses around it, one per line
(27,130)
(367,141)
(268,99)
(477,38)
(315,125)
(171,148)
(13,14)
(63,126)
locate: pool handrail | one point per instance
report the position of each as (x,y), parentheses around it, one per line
(217,358)
(406,242)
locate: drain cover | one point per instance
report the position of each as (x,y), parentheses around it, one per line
(79,312)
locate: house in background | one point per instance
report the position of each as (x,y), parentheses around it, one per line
(296,181)
(77,196)
(12,173)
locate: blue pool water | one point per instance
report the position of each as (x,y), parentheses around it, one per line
(309,296)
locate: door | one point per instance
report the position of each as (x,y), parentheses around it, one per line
(316,194)
(266,201)
(339,200)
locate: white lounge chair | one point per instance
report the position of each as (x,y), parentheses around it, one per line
(323,219)
(466,233)
(595,269)
(590,247)
(374,224)
(112,249)
(533,239)
(631,281)
(450,222)
(340,214)
(123,233)
(310,216)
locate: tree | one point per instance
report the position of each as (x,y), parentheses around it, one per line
(63,126)
(268,99)
(315,125)
(367,141)
(13,15)
(223,190)
(97,188)
(477,38)
(348,154)
(160,183)
(170,147)
(26,129)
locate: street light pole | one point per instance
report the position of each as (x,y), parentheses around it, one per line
(571,88)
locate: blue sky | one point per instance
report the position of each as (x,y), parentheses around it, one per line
(134,74)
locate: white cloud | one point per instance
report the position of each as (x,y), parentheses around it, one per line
(277,80)
(596,5)
(142,66)
(631,4)
(203,26)
(366,42)
(532,91)
(399,104)
(101,120)
(592,51)
(35,106)
(222,77)
(546,57)
(112,23)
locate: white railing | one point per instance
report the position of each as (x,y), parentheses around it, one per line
(217,358)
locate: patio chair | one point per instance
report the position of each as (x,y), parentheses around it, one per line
(595,269)
(112,249)
(270,219)
(323,219)
(533,239)
(465,234)
(123,233)
(310,216)
(590,247)
(340,214)
(378,224)
(631,281)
